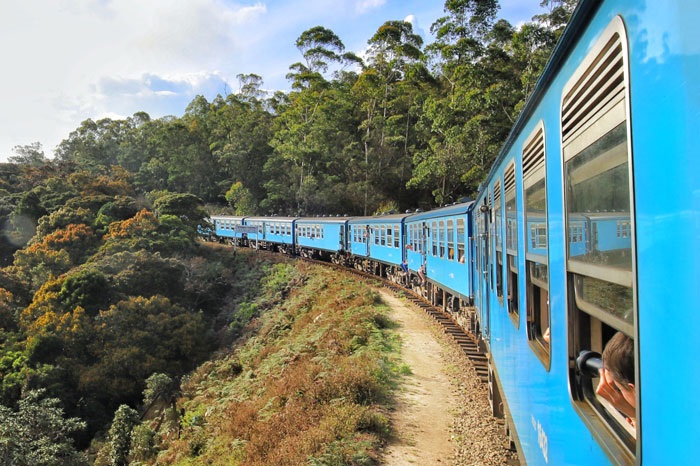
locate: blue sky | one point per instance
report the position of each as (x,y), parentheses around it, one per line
(68,60)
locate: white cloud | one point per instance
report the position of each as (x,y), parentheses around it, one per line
(364,6)
(72,60)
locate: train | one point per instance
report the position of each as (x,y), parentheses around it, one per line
(587,225)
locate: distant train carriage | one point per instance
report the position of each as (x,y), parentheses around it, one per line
(437,246)
(608,241)
(377,244)
(271,233)
(226,227)
(322,237)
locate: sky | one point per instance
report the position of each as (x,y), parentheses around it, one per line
(65,61)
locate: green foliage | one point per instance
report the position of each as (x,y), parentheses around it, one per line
(38,434)
(158,386)
(240,198)
(119,435)
(143,447)
(299,391)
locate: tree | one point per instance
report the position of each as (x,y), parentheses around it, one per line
(119,436)
(30,154)
(308,129)
(387,93)
(37,434)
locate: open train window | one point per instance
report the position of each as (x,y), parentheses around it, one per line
(441,238)
(435,234)
(460,241)
(451,240)
(536,248)
(600,265)
(511,243)
(497,219)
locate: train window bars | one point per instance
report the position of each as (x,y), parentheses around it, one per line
(497,219)
(536,248)
(600,265)
(435,234)
(441,238)
(511,243)
(460,241)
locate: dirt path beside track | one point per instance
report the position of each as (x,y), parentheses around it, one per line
(442,415)
(423,413)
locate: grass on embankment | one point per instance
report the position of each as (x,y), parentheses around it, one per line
(311,386)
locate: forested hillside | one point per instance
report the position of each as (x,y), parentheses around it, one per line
(106,291)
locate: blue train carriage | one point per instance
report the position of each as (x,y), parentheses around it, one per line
(618,251)
(376,244)
(227,228)
(438,250)
(322,237)
(271,233)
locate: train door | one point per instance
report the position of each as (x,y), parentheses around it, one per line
(483,246)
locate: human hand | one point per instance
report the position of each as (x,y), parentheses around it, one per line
(609,390)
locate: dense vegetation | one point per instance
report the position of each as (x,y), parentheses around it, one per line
(108,299)
(310,387)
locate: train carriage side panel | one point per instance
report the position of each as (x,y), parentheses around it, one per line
(440,240)
(225,225)
(326,234)
(379,238)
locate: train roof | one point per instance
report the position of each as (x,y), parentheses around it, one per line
(272,219)
(322,219)
(389,218)
(227,217)
(454,209)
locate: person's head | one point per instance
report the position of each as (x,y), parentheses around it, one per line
(618,358)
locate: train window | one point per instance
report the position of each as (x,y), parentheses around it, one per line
(600,265)
(460,241)
(435,236)
(441,238)
(511,242)
(389,241)
(498,264)
(397,239)
(536,250)
(451,240)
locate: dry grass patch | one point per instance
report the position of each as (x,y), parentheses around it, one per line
(310,387)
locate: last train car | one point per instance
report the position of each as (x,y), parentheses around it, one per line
(271,233)
(228,227)
(588,225)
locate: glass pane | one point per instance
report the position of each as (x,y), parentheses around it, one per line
(511,224)
(598,202)
(609,297)
(536,218)
(460,240)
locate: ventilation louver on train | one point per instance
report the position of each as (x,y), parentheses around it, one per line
(598,90)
